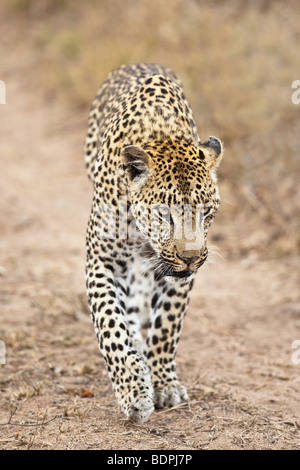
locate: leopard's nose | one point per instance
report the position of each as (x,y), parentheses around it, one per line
(190,259)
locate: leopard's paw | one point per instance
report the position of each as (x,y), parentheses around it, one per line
(170,395)
(138,403)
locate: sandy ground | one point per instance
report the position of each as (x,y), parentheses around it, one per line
(235,354)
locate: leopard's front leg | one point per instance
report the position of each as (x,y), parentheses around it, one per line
(127,369)
(169,304)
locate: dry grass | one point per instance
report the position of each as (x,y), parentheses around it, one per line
(213,420)
(237,61)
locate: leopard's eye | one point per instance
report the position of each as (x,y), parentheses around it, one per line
(206,210)
(168,217)
(164,213)
(206,215)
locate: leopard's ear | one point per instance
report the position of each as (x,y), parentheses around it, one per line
(211,152)
(136,161)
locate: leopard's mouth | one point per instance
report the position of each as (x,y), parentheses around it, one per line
(178,274)
(169,271)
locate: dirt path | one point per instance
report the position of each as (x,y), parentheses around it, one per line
(235,354)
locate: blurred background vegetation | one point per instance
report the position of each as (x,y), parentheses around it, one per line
(237,61)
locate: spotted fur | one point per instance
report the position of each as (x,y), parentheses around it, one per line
(142,150)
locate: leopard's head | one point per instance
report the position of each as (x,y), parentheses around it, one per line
(174,198)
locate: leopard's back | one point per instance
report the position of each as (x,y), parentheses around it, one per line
(121,99)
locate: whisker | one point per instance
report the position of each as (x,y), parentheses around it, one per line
(214,255)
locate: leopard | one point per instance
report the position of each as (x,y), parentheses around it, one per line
(150,173)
